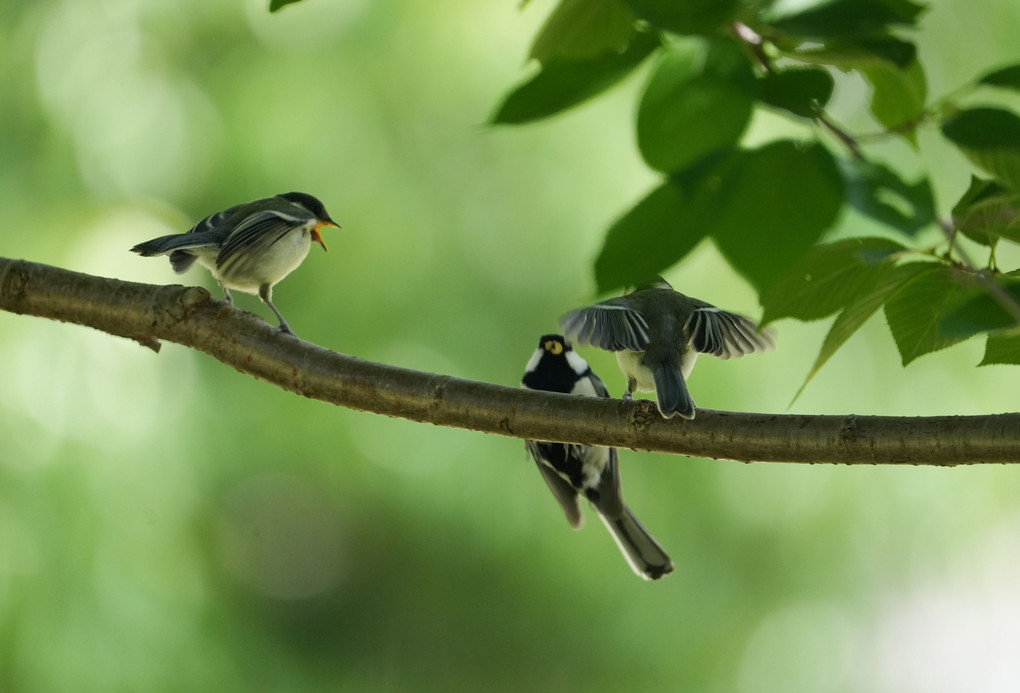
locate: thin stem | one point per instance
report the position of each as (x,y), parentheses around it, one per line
(842,135)
(984,278)
(756,44)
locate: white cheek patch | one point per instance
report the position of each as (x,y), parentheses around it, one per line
(577,364)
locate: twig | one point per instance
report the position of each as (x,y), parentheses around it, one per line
(756,44)
(994,289)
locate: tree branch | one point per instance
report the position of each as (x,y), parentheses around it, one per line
(189,316)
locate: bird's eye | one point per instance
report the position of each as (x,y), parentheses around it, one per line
(554,348)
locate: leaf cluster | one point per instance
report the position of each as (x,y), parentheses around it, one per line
(771,208)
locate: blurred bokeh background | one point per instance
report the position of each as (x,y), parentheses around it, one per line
(168,524)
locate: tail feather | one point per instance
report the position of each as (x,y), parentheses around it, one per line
(642,552)
(671,392)
(177,241)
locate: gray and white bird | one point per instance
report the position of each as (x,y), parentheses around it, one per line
(657,334)
(250,247)
(572,471)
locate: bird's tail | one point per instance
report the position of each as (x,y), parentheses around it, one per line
(671,392)
(176,241)
(642,552)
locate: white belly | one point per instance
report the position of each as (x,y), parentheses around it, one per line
(630,364)
(273,263)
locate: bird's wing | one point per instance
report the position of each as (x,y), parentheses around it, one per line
(726,335)
(221,222)
(565,494)
(610,497)
(257,232)
(596,382)
(608,325)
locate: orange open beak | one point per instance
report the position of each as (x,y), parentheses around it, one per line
(317,237)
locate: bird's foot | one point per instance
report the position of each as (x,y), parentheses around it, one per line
(284,328)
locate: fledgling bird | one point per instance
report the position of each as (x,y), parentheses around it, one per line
(250,247)
(574,470)
(657,334)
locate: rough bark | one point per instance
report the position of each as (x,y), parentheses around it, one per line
(191,317)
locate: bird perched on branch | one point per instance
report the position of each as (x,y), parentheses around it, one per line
(250,247)
(657,334)
(573,470)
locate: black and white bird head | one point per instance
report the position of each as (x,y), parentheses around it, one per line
(556,367)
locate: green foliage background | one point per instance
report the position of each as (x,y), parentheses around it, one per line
(167,524)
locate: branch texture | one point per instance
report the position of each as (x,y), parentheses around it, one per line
(190,316)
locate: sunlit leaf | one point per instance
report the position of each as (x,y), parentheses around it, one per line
(987,212)
(1007,77)
(830,277)
(649,238)
(562,84)
(862,306)
(1002,349)
(990,138)
(699,100)
(845,18)
(772,205)
(878,192)
(579,29)
(275,5)
(802,92)
(898,95)
(685,16)
(916,312)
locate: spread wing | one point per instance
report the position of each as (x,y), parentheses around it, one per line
(726,335)
(607,325)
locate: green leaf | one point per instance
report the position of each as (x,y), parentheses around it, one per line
(685,16)
(987,212)
(990,138)
(699,100)
(898,95)
(983,128)
(916,312)
(1001,349)
(649,238)
(861,307)
(878,192)
(275,5)
(564,83)
(846,18)
(803,92)
(579,29)
(1007,77)
(849,54)
(772,204)
(984,312)
(830,277)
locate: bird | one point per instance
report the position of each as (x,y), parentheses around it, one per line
(657,334)
(250,247)
(573,470)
